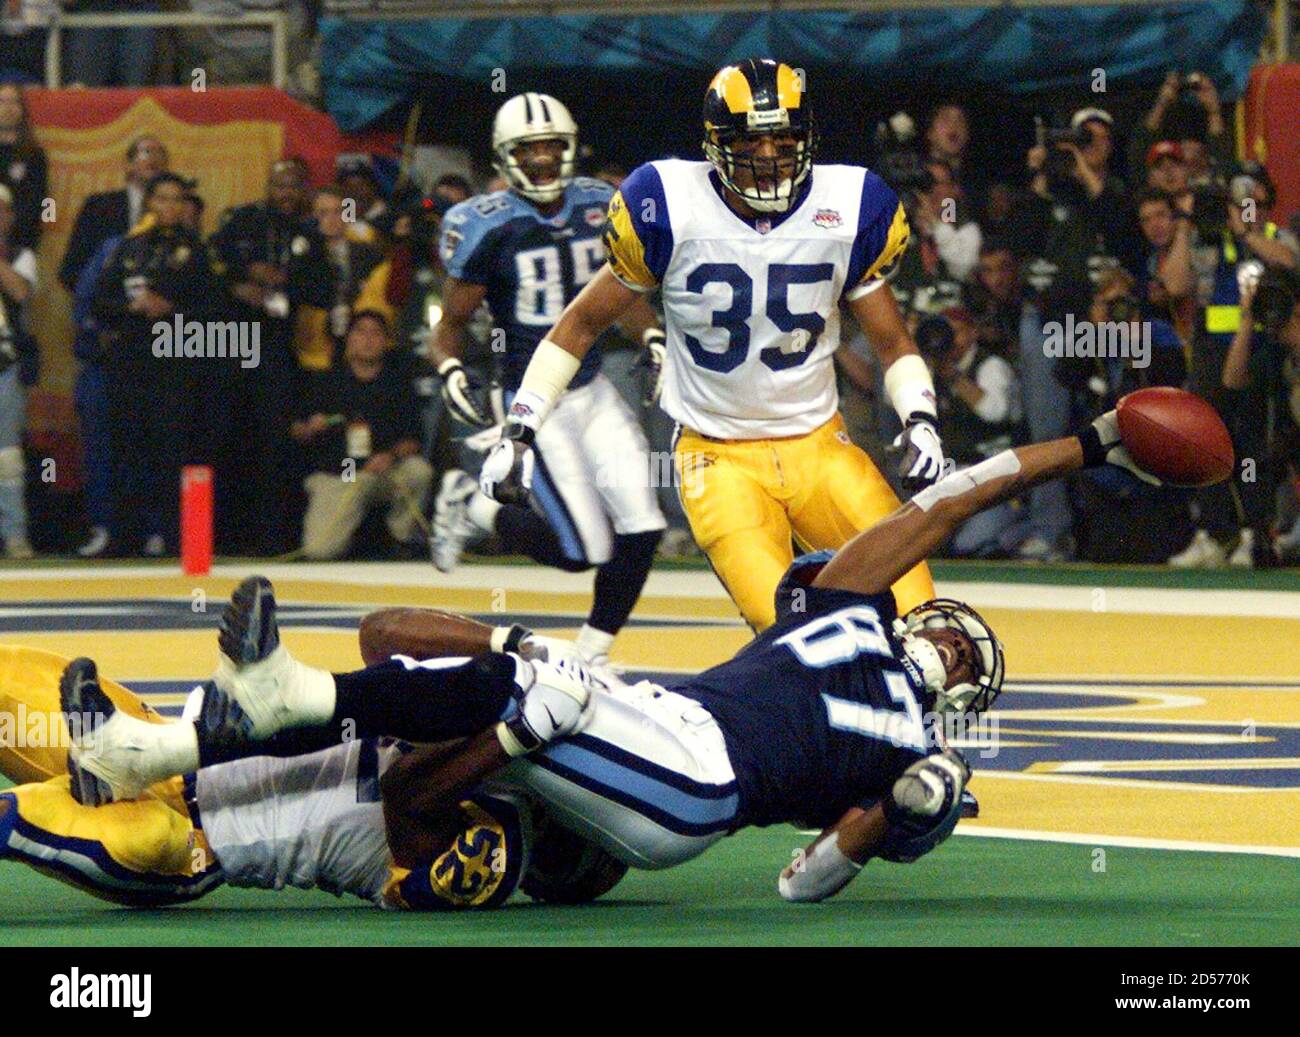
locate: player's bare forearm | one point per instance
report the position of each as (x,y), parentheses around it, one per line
(459,301)
(603,301)
(433,634)
(875,558)
(835,857)
(422,791)
(639,318)
(882,322)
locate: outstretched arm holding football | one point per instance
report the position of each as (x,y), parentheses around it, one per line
(875,558)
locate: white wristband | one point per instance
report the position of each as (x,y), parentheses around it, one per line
(549,373)
(909,387)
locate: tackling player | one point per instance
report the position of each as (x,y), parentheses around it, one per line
(344,817)
(833,716)
(753,250)
(527,251)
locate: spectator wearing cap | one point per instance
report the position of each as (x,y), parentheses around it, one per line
(23,166)
(17,370)
(361,189)
(454,188)
(360,424)
(1167,169)
(979,415)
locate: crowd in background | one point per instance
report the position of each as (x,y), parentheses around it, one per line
(330,442)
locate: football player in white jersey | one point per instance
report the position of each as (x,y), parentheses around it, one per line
(753,251)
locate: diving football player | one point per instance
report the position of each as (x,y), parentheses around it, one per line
(831,717)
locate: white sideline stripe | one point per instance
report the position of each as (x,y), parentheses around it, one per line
(1129,783)
(1132,841)
(702,584)
(1126,600)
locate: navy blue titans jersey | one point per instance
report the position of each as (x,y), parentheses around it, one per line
(531,265)
(819,711)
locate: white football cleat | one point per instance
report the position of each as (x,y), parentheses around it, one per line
(113,755)
(452,528)
(272,688)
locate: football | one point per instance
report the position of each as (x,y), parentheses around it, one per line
(1176,436)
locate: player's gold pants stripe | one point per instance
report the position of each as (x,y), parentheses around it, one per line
(745,499)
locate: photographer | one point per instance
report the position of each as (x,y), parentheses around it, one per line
(17,371)
(1186,111)
(1073,221)
(979,415)
(1231,243)
(1263,366)
(1120,520)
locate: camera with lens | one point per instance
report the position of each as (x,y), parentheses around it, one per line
(898,158)
(935,339)
(1276,297)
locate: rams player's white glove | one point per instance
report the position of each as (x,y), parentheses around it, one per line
(922,453)
(555,704)
(457,394)
(507,472)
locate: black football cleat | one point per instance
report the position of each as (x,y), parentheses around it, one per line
(970,806)
(85,710)
(249,633)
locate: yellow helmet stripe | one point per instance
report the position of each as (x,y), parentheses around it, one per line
(732,86)
(789,89)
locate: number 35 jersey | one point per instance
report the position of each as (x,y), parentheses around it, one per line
(532,265)
(752,306)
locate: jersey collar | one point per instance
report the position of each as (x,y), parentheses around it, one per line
(764,222)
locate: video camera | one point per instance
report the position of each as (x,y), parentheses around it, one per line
(1276,297)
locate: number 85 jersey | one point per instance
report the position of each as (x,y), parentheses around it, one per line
(751,307)
(532,265)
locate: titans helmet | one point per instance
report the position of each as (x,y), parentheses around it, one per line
(974,696)
(756,98)
(528,117)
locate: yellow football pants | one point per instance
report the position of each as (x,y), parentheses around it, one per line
(145,852)
(745,499)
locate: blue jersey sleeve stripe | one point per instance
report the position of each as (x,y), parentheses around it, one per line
(875,215)
(643,194)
